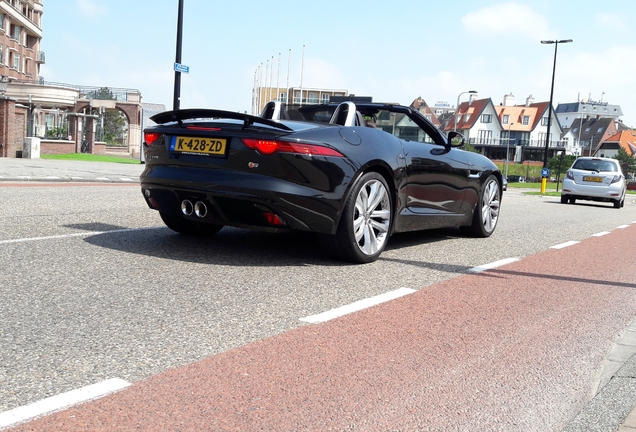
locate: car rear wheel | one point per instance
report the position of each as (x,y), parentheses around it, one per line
(564,199)
(572,200)
(364,227)
(617,204)
(182,225)
(486,212)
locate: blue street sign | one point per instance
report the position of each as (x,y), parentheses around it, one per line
(545,172)
(178,67)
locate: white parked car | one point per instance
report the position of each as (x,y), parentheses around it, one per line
(594,179)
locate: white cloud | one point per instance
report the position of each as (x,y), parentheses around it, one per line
(611,21)
(508,19)
(91,8)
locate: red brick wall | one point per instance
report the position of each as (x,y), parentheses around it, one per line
(12,128)
(56,147)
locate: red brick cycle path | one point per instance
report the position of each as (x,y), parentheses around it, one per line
(513,348)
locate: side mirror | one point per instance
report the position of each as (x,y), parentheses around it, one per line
(455,139)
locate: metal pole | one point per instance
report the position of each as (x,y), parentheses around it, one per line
(547,135)
(176,102)
(508,148)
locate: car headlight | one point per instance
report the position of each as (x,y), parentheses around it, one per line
(570,175)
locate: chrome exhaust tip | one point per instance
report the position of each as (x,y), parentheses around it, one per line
(186,207)
(200,209)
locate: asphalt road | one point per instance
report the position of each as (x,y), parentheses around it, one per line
(94,287)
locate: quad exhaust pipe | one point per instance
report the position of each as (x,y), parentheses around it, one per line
(199,208)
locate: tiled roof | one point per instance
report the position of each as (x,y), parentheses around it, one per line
(626,139)
(473,109)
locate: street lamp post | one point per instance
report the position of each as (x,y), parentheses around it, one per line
(457,108)
(508,148)
(547,135)
(176,102)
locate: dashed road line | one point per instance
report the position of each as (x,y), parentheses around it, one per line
(60,402)
(600,234)
(357,306)
(81,234)
(564,245)
(493,265)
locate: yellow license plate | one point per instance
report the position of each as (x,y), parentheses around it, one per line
(212,146)
(593,179)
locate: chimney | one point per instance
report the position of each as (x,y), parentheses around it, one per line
(529,100)
(473,96)
(509,100)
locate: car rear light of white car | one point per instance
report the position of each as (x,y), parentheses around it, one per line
(616,179)
(268,147)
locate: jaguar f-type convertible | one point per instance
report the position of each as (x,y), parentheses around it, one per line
(354,173)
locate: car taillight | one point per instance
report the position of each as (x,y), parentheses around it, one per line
(570,175)
(151,137)
(268,147)
(616,179)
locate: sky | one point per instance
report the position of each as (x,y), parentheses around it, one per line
(392,51)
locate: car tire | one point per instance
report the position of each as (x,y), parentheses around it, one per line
(486,214)
(564,199)
(572,200)
(617,204)
(182,225)
(364,227)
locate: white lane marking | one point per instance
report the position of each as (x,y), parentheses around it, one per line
(77,178)
(356,306)
(602,233)
(102,178)
(60,402)
(564,245)
(125,179)
(622,226)
(82,234)
(492,265)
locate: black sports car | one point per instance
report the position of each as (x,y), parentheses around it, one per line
(352,173)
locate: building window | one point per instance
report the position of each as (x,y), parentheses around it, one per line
(16,61)
(1,54)
(544,121)
(505,119)
(313,97)
(587,130)
(297,97)
(283,97)
(485,136)
(325,98)
(466,117)
(16,32)
(525,120)
(486,118)
(2,21)
(599,130)
(575,129)
(439,112)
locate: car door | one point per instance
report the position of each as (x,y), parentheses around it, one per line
(436,179)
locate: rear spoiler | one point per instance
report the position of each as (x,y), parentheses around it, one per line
(202,113)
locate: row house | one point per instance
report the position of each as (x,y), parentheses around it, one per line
(625,140)
(508,131)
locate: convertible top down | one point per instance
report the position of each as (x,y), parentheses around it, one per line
(354,173)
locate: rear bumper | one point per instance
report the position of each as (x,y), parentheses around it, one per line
(242,199)
(592,192)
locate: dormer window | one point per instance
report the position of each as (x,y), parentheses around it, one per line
(505,119)
(525,120)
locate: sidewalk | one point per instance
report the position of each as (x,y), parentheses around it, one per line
(49,170)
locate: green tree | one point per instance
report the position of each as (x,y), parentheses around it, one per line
(556,162)
(114,126)
(104,93)
(627,162)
